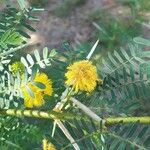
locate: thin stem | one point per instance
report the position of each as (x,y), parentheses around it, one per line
(12,50)
(86,110)
(67,134)
(107,133)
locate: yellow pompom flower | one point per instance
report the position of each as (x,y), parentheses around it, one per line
(17,67)
(47,145)
(82,75)
(38,99)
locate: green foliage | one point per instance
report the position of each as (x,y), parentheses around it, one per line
(85,132)
(13,22)
(41,61)
(125,79)
(113,31)
(137,4)
(129,137)
(16,134)
(142,41)
(125,89)
(10,38)
(115,28)
(124,93)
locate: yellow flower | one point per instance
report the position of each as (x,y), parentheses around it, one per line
(17,67)
(38,99)
(82,76)
(47,145)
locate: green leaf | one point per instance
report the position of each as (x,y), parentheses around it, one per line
(118,56)
(52,53)
(112,59)
(39,85)
(30,92)
(25,77)
(30,59)
(21,4)
(45,53)
(142,41)
(24,34)
(37,55)
(23,60)
(29,27)
(11,38)
(34,72)
(37,9)
(125,54)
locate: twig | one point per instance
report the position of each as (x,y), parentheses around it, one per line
(12,50)
(86,110)
(68,135)
(58,108)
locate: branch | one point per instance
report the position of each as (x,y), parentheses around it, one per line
(127,120)
(27,113)
(38,114)
(53,115)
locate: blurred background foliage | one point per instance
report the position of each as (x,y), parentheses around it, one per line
(114,22)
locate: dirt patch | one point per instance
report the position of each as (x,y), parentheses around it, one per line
(74,27)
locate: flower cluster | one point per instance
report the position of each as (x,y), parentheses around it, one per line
(47,145)
(82,76)
(17,67)
(38,99)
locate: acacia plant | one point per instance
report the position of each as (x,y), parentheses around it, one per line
(52,100)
